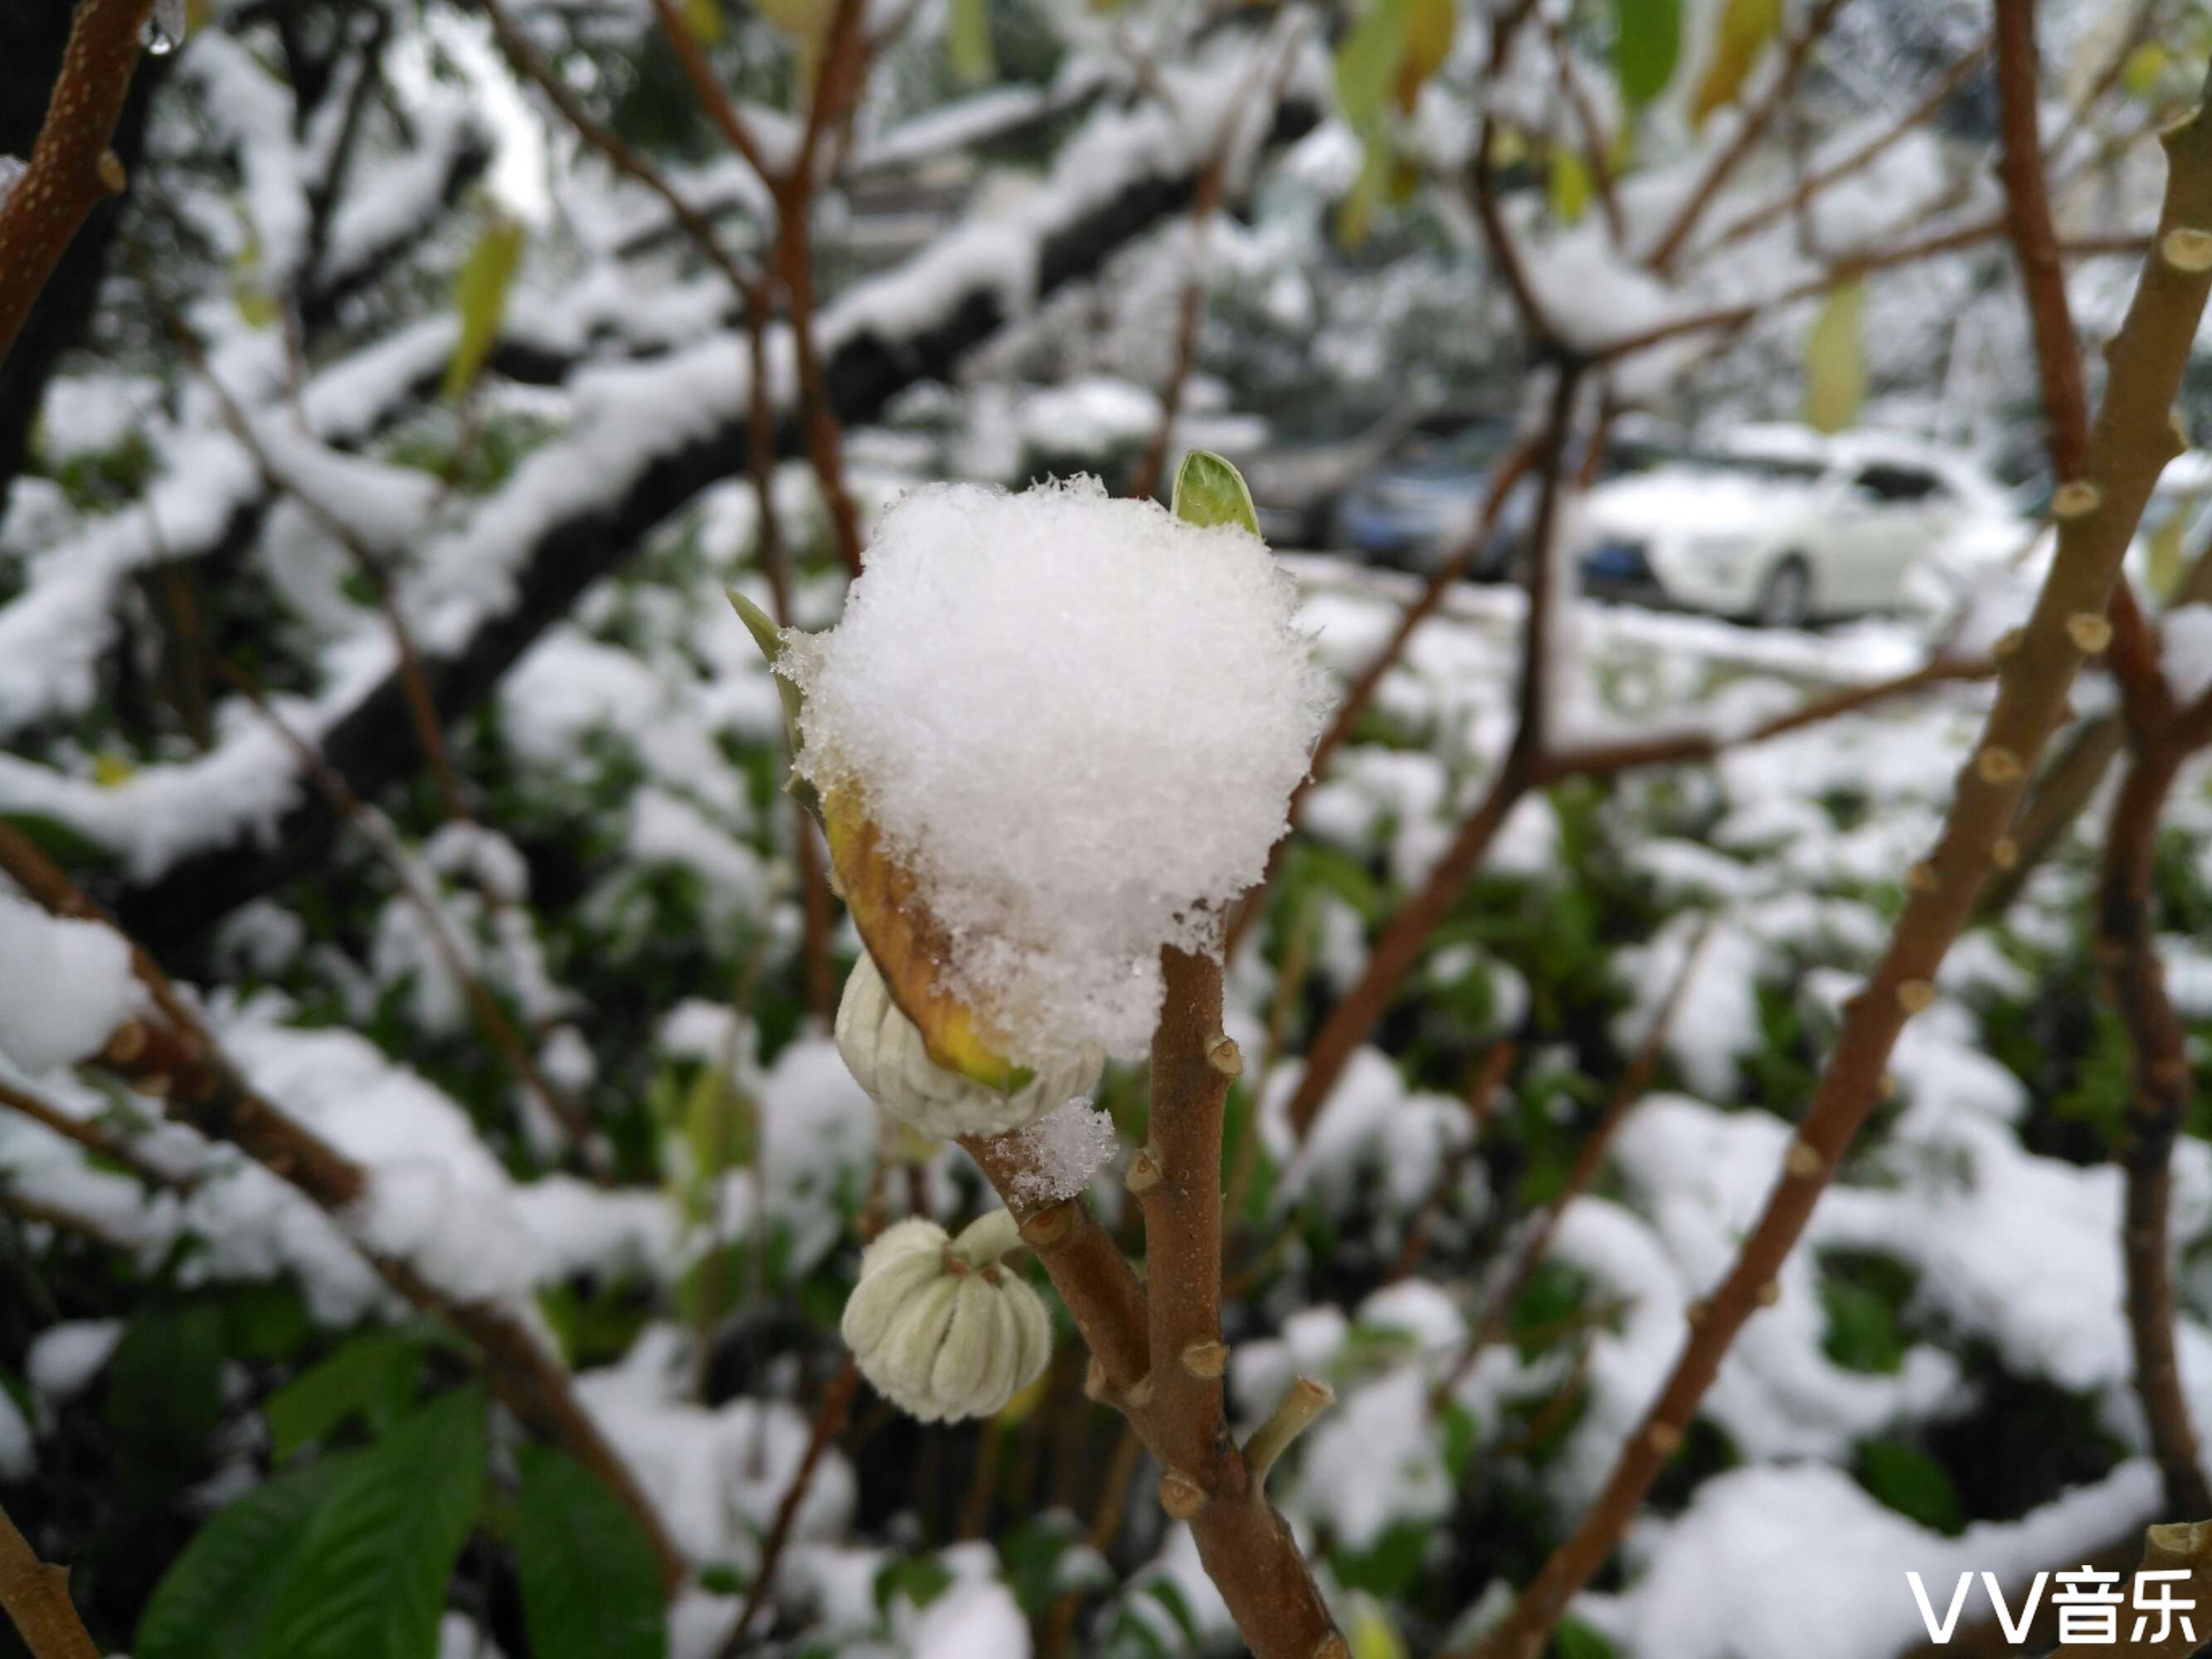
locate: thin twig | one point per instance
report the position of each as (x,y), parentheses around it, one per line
(830,1420)
(377,831)
(1756,120)
(1590,1158)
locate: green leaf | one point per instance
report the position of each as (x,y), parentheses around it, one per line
(480,297)
(967,41)
(1647,42)
(1209,491)
(215,1599)
(1746,27)
(769,638)
(1355,212)
(1835,362)
(1575,1640)
(1912,1483)
(1570,185)
(165,1386)
(2144,68)
(1367,63)
(372,1377)
(590,1588)
(1370,1633)
(370,1580)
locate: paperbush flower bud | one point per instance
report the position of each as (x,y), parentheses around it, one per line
(939,1327)
(884,1052)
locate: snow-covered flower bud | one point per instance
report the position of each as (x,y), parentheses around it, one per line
(939,1328)
(884,1052)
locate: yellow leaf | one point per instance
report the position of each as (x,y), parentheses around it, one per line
(1835,364)
(1370,1633)
(908,944)
(2162,569)
(2145,68)
(111,770)
(704,19)
(480,296)
(1025,1403)
(802,19)
(1570,185)
(1746,27)
(1427,41)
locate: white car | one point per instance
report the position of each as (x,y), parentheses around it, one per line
(1781,526)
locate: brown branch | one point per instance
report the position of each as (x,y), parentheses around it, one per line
(829,1419)
(1590,1158)
(1756,120)
(1685,747)
(36,1598)
(2132,441)
(1821,178)
(90,1136)
(2159,1047)
(1156,1349)
(1189,311)
(72,169)
(1595,143)
(491,1019)
(178,1061)
(530,64)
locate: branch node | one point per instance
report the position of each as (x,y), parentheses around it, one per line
(1140,1392)
(1095,1385)
(1144,1173)
(1697,1311)
(1770,1293)
(2187,249)
(1181,1496)
(1997,764)
(2009,644)
(1047,1230)
(1332,1647)
(1206,1360)
(2077,499)
(2090,632)
(128,1043)
(114,177)
(1224,1055)
(155,1086)
(1921,877)
(1913,995)
(1803,1160)
(1664,1438)
(1307,1400)
(2004,852)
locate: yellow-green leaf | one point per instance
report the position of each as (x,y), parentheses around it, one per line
(967,41)
(704,19)
(2162,568)
(772,644)
(480,297)
(1647,40)
(1367,60)
(1835,361)
(1746,27)
(1570,185)
(2144,70)
(1370,1633)
(908,944)
(1426,42)
(1209,491)
(112,770)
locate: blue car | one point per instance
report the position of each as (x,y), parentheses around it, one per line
(1420,499)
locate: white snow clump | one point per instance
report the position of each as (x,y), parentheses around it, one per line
(1077,720)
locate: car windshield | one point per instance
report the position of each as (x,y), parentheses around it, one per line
(1772,469)
(1446,451)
